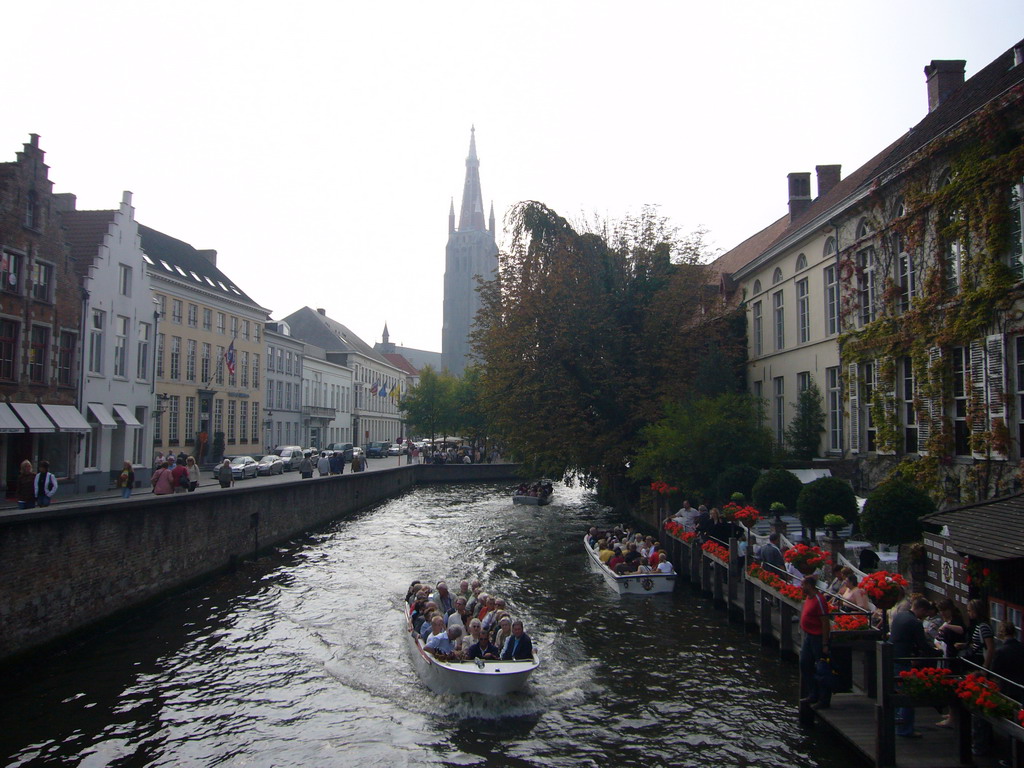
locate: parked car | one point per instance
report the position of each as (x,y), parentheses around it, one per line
(290,454)
(377,450)
(270,465)
(398,449)
(357,451)
(241,467)
(345,448)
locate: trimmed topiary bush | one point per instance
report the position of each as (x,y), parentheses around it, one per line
(826,495)
(739,478)
(776,485)
(893,512)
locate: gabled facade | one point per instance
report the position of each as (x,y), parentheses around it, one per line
(120,321)
(326,399)
(209,354)
(40,324)
(471,253)
(913,295)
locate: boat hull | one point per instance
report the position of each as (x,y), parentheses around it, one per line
(634,584)
(493,678)
(532,500)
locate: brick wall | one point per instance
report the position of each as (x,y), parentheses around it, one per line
(65,569)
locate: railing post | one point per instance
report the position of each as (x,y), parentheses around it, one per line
(735,573)
(695,558)
(964,734)
(766,618)
(786,614)
(750,592)
(885,713)
(717,575)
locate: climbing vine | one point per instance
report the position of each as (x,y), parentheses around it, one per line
(947,207)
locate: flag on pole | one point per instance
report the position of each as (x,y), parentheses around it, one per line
(374,388)
(396,391)
(383,390)
(229,358)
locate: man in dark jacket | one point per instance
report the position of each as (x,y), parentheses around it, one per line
(518,645)
(771,556)
(1009,661)
(908,641)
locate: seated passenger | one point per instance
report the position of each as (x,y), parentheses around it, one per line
(503,631)
(460,615)
(632,556)
(446,645)
(616,560)
(471,638)
(664,566)
(482,649)
(491,619)
(604,551)
(518,646)
(645,565)
(435,628)
(486,606)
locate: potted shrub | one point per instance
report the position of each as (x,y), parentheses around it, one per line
(833,523)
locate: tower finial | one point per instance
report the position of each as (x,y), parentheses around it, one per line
(471,217)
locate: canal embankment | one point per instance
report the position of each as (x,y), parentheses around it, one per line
(67,569)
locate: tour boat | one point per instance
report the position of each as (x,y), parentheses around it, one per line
(631,583)
(491,678)
(535,500)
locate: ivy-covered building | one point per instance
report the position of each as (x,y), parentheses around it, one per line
(899,290)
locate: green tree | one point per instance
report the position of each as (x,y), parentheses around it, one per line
(776,485)
(572,336)
(803,435)
(470,415)
(694,443)
(893,512)
(429,407)
(824,496)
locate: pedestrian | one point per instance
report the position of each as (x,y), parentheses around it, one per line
(126,480)
(908,642)
(45,484)
(225,475)
(814,621)
(338,463)
(159,460)
(26,493)
(306,467)
(162,480)
(180,473)
(193,473)
(323,465)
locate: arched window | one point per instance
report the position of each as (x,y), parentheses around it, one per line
(777,276)
(757,287)
(863,228)
(830,247)
(953,243)
(801,262)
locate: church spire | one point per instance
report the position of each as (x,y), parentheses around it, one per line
(472,214)
(490,220)
(451,216)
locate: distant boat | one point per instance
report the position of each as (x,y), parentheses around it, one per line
(539,495)
(491,678)
(630,583)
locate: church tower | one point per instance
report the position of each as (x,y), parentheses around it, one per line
(471,251)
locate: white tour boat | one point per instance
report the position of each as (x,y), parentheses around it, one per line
(631,583)
(491,678)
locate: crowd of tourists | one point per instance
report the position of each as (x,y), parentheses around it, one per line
(467,624)
(625,551)
(540,489)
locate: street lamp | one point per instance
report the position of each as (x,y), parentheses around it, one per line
(269,424)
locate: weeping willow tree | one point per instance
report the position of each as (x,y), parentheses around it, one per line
(585,334)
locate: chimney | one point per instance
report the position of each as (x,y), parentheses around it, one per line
(322,311)
(828,177)
(943,78)
(210,255)
(65,201)
(799,194)
(1018,55)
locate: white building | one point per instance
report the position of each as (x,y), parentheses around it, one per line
(326,399)
(282,412)
(117,362)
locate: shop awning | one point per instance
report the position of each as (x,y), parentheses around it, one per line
(8,421)
(102,415)
(123,412)
(33,417)
(67,418)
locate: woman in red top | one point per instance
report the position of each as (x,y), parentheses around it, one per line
(814,622)
(616,560)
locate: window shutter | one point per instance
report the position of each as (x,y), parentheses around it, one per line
(924,408)
(888,400)
(854,390)
(976,406)
(929,416)
(995,370)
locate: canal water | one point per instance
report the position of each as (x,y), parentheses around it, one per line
(298,660)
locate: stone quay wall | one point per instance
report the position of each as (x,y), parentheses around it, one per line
(65,569)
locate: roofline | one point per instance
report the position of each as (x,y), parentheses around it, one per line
(157,276)
(974,505)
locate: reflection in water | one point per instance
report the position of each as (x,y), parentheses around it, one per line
(298,660)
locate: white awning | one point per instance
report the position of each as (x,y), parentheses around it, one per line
(33,417)
(123,412)
(102,415)
(67,418)
(8,421)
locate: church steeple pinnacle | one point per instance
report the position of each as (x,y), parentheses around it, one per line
(471,218)
(451,216)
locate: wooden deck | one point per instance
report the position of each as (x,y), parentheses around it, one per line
(852,717)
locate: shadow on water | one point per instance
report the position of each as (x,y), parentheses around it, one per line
(298,660)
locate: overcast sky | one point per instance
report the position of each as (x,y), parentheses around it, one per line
(316,145)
